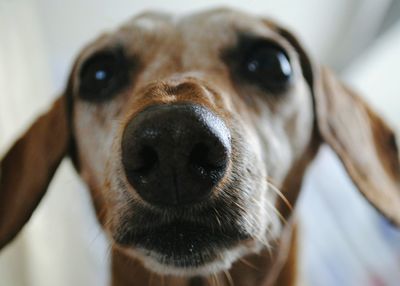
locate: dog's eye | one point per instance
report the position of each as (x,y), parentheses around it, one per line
(102,76)
(269,66)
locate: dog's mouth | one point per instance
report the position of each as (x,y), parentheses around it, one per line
(183,245)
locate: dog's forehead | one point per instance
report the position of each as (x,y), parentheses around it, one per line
(210,30)
(216,21)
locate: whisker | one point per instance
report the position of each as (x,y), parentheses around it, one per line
(269,249)
(109,252)
(217,279)
(229,278)
(247,263)
(280,194)
(217,216)
(265,243)
(98,233)
(281,217)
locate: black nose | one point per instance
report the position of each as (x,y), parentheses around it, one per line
(175,154)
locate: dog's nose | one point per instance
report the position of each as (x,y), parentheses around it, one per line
(175,154)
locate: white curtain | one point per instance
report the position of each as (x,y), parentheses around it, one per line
(62,243)
(346,242)
(23,86)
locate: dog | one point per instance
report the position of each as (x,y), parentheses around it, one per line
(193,135)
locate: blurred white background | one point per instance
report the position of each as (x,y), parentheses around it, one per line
(345,241)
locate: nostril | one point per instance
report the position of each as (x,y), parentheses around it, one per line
(200,157)
(145,160)
(208,161)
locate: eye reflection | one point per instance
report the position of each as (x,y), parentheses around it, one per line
(101,75)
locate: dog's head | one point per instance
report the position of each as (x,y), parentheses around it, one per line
(193,135)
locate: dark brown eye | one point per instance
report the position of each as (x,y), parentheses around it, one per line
(268,66)
(102,76)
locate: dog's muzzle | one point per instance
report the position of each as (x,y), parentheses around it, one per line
(178,158)
(175,154)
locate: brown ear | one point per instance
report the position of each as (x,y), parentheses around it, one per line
(27,168)
(363,141)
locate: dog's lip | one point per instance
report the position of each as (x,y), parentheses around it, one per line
(187,234)
(184,243)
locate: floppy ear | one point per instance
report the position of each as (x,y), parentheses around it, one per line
(28,167)
(362,140)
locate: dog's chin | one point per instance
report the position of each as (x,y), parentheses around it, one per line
(190,265)
(188,250)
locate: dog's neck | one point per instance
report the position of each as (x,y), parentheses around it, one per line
(268,268)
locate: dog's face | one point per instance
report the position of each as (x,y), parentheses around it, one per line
(182,125)
(186,129)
